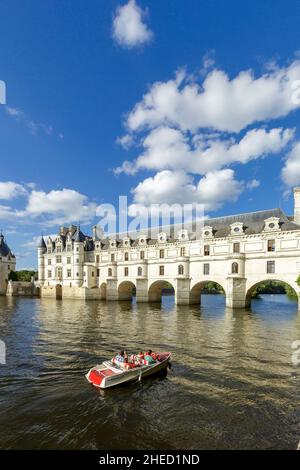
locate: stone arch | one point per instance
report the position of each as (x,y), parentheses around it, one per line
(58,291)
(195,292)
(254,286)
(126,290)
(38,291)
(155,290)
(103,291)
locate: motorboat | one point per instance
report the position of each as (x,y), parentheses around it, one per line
(112,373)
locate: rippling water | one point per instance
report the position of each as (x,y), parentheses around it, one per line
(233,384)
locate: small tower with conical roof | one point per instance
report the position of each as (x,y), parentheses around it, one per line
(41,259)
(7,264)
(78,256)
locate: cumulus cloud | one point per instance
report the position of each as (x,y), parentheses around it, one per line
(62,206)
(11,190)
(172,187)
(291,170)
(219,102)
(129,29)
(172,149)
(253,184)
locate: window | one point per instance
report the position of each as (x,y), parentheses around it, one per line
(140,271)
(59,273)
(234,268)
(161,253)
(98,272)
(271,245)
(49,250)
(58,249)
(126,271)
(68,260)
(49,262)
(49,273)
(182,251)
(112,257)
(97,259)
(161,270)
(93,274)
(206,268)
(126,256)
(142,254)
(270,267)
(206,250)
(77,274)
(236,229)
(77,248)
(69,273)
(69,247)
(58,259)
(180,269)
(236,248)
(271,225)
(109,272)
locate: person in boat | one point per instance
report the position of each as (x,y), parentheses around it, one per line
(149,357)
(140,356)
(121,356)
(129,365)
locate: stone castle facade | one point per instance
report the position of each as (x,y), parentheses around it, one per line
(7,264)
(237,252)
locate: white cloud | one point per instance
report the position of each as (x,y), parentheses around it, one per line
(34,127)
(220,102)
(167,148)
(253,184)
(129,30)
(291,170)
(171,187)
(11,190)
(61,206)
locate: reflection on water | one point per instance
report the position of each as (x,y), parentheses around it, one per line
(232,384)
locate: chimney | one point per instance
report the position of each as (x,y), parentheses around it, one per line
(297,206)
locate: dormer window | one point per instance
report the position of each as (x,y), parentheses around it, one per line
(272,223)
(207,232)
(237,228)
(183,235)
(162,237)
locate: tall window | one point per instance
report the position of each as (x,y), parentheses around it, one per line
(49,261)
(234,268)
(58,249)
(98,272)
(69,247)
(109,272)
(142,255)
(49,273)
(112,257)
(49,250)
(97,259)
(206,250)
(59,273)
(161,253)
(270,267)
(161,270)
(58,259)
(69,273)
(182,251)
(126,256)
(236,247)
(206,269)
(68,260)
(126,271)
(271,245)
(140,271)
(180,269)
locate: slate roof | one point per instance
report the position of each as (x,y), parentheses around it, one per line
(4,249)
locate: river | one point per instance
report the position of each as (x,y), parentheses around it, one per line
(232,385)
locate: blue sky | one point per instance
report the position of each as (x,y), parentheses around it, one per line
(201,90)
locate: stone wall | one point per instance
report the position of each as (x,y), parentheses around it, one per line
(17,288)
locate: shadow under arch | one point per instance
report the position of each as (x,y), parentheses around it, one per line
(207,286)
(126,290)
(254,290)
(58,291)
(103,291)
(158,288)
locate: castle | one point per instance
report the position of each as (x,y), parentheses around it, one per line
(7,264)
(237,252)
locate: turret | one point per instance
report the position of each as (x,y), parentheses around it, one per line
(297,206)
(78,256)
(41,262)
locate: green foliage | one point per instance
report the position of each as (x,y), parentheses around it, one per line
(273,287)
(298,280)
(212,288)
(22,276)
